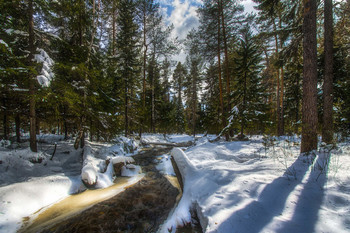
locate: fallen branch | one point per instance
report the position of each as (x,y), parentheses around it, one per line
(54,151)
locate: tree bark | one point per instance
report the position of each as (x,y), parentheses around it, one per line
(243,105)
(18,127)
(32,80)
(126,109)
(5,120)
(327,127)
(228,89)
(219,73)
(113,28)
(37,125)
(309,108)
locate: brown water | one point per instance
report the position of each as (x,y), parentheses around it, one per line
(74,204)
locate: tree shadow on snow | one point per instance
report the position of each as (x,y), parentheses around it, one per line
(271,202)
(310,200)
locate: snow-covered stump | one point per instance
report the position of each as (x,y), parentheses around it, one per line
(96,173)
(120,163)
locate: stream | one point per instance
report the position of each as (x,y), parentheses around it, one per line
(137,204)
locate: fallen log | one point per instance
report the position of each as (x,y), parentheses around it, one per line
(170,144)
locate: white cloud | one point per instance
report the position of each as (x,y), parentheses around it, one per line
(248,6)
(184,17)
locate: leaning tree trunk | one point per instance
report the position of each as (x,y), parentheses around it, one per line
(327,130)
(33,145)
(309,108)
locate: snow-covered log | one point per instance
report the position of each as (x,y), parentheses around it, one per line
(184,164)
(95,172)
(181,214)
(171,144)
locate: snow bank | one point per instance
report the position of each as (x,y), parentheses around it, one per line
(20,199)
(248,187)
(149,138)
(181,215)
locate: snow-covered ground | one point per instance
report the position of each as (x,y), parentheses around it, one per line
(30,181)
(253,186)
(250,187)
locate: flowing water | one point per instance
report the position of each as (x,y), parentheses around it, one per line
(137,204)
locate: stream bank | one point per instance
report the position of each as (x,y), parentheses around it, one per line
(142,207)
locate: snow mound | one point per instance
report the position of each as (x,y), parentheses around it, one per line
(20,199)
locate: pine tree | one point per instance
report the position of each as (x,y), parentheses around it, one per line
(179,75)
(249,104)
(128,53)
(193,79)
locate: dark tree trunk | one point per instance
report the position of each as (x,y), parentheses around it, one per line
(113,28)
(5,120)
(309,108)
(37,126)
(243,106)
(32,80)
(65,123)
(18,127)
(65,130)
(126,109)
(327,127)
(297,106)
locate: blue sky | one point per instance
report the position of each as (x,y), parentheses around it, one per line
(183,15)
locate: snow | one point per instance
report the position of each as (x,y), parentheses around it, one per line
(260,185)
(247,187)
(46,74)
(27,186)
(20,199)
(165,166)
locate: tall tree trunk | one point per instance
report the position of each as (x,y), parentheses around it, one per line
(219,73)
(281,130)
(327,130)
(65,123)
(32,80)
(144,59)
(144,69)
(18,127)
(5,119)
(228,89)
(126,109)
(37,125)
(113,28)
(194,107)
(243,106)
(278,91)
(297,106)
(309,108)
(153,104)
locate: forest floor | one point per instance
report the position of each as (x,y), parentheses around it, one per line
(260,185)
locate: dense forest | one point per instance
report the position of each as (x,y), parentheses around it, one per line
(99,68)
